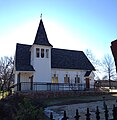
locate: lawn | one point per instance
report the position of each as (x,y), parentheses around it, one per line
(14,102)
(78,99)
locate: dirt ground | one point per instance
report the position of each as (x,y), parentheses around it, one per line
(88,102)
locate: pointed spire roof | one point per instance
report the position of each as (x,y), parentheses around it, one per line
(41,36)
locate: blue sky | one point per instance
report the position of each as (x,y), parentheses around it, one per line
(70,24)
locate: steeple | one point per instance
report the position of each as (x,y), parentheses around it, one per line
(41,36)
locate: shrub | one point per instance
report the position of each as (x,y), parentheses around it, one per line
(27,111)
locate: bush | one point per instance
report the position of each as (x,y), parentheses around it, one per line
(27,111)
(21,107)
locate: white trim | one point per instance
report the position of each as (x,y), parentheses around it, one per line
(25,71)
(61,69)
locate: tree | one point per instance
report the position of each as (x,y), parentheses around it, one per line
(6,73)
(95,62)
(105,68)
(108,68)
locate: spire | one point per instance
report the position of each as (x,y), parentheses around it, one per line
(41,36)
(41,16)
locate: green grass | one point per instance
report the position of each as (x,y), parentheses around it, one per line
(78,99)
(18,98)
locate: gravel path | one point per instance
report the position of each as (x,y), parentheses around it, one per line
(82,107)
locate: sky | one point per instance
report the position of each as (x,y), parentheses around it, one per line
(69,24)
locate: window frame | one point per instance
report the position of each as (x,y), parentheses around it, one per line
(37,52)
(42,52)
(55,79)
(47,53)
(66,79)
(77,79)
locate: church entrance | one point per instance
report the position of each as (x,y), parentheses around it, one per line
(87,83)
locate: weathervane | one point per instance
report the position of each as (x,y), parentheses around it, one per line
(41,16)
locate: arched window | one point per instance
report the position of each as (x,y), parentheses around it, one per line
(77,79)
(55,79)
(47,53)
(37,52)
(66,79)
(42,53)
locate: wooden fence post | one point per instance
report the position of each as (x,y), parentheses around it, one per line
(87,114)
(97,114)
(77,115)
(19,86)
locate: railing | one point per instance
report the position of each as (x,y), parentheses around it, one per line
(88,114)
(35,86)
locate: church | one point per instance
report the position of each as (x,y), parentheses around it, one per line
(41,67)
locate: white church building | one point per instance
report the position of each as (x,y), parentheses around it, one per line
(41,67)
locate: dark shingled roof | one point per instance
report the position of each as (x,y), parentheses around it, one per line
(61,58)
(70,59)
(87,73)
(41,36)
(22,58)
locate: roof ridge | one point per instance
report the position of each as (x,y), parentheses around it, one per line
(68,49)
(23,44)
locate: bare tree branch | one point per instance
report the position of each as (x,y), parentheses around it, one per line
(6,72)
(95,62)
(108,67)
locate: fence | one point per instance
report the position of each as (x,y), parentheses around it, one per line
(35,86)
(88,114)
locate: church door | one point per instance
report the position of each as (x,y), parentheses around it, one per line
(87,83)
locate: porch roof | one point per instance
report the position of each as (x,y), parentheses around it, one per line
(87,73)
(22,58)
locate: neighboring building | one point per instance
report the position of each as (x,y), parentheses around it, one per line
(41,67)
(106,84)
(114,51)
